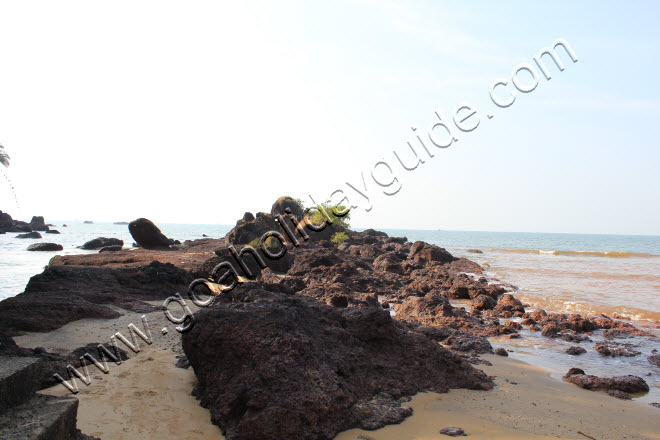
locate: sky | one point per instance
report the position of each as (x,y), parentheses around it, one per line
(196,112)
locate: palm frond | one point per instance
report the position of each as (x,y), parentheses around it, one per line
(4,157)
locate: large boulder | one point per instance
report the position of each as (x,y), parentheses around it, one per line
(250,228)
(102,242)
(147,235)
(45,247)
(281,367)
(280,206)
(424,252)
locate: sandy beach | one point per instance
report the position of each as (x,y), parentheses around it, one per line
(144,397)
(148,397)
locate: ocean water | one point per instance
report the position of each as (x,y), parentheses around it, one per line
(17,265)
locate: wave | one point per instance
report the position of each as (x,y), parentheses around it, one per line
(579,253)
(581,274)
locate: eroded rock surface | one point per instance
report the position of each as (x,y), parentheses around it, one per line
(289,367)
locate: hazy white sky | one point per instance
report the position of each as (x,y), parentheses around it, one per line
(195,112)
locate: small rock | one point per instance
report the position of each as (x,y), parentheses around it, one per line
(501,352)
(655,359)
(52,231)
(656,404)
(575,350)
(452,431)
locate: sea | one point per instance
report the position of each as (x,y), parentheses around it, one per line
(569,273)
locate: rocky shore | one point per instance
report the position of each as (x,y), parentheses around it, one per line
(334,335)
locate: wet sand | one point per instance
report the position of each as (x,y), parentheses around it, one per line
(148,397)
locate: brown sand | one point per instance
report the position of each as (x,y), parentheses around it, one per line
(148,398)
(525,404)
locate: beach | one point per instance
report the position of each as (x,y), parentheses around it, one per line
(149,396)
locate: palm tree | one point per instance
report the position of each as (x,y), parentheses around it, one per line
(4,157)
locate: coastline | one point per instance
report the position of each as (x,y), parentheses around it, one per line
(384,318)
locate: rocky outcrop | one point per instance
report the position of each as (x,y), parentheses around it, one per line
(147,235)
(38,224)
(251,228)
(290,367)
(62,294)
(102,242)
(45,247)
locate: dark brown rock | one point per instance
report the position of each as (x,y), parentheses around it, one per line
(62,294)
(605,349)
(574,351)
(469,343)
(280,207)
(33,235)
(45,247)
(508,303)
(289,367)
(102,242)
(421,251)
(627,384)
(483,302)
(501,352)
(147,235)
